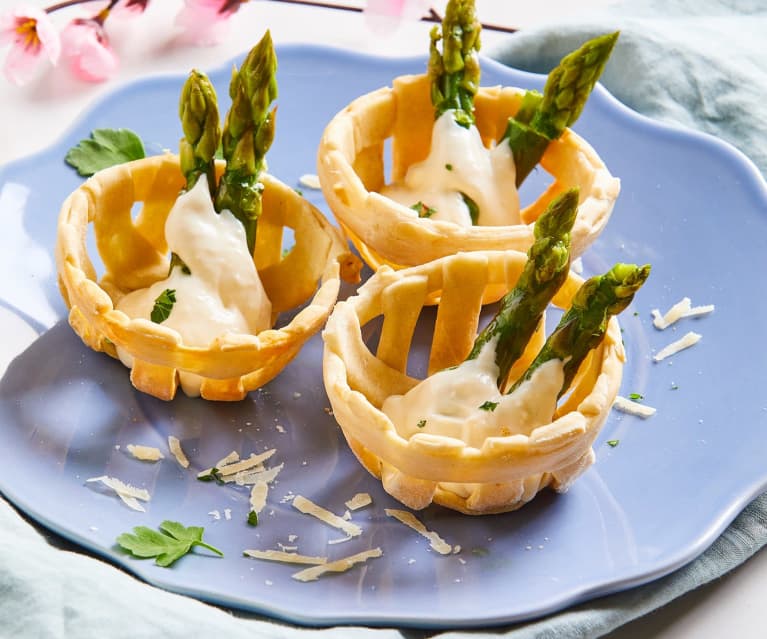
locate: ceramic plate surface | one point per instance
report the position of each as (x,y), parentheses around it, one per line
(690,205)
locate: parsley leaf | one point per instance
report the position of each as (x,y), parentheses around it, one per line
(105,148)
(253,518)
(163,305)
(421,423)
(170,544)
(423,210)
(489,406)
(636,397)
(613,442)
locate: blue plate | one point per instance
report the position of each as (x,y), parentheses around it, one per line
(690,205)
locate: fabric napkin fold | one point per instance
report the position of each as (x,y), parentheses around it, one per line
(696,63)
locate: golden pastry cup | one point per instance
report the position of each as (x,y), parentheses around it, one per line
(134,253)
(507,471)
(351,165)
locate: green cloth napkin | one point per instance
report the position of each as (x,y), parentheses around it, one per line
(696,63)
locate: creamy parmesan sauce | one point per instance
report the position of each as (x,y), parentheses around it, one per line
(448,402)
(222,294)
(485,175)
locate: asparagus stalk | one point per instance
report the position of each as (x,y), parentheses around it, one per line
(248,134)
(545,271)
(455,72)
(198,110)
(583,325)
(567,89)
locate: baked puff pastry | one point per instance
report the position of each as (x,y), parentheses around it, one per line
(134,253)
(491,474)
(351,171)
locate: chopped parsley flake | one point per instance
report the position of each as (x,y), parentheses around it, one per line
(636,397)
(613,442)
(674,387)
(163,305)
(449,167)
(252,518)
(490,406)
(423,210)
(421,423)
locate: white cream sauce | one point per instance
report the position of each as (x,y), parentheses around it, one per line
(448,402)
(458,163)
(222,294)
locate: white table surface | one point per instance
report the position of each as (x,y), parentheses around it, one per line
(37,114)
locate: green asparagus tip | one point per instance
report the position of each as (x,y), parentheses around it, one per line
(198,111)
(455,71)
(569,85)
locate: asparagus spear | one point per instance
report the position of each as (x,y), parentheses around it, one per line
(567,89)
(248,134)
(545,271)
(583,325)
(455,71)
(198,110)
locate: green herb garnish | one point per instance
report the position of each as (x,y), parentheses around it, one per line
(613,442)
(172,542)
(636,397)
(449,167)
(421,423)
(490,406)
(253,518)
(211,474)
(423,210)
(105,148)
(473,208)
(163,305)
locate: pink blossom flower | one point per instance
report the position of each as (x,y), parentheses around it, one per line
(31,34)
(87,49)
(130,8)
(386,15)
(205,22)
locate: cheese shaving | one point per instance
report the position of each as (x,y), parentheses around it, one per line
(360,500)
(310,508)
(145,453)
(340,565)
(285,557)
(247,478)
(127,493)
(407,518)
(683,308)
(258,496)
(174,445)
(634,408)
(690,339)
(229,459)
(310,180)
(246,464)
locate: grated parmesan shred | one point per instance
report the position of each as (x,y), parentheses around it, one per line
(340,565)
(246,464)
(407,518)
(360,500)
(258,496)
(690,339)
(285,557)
(633,408)
(127,493)
(310,180)
(683,308)
(308,507)
(145,453)
(174,445)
